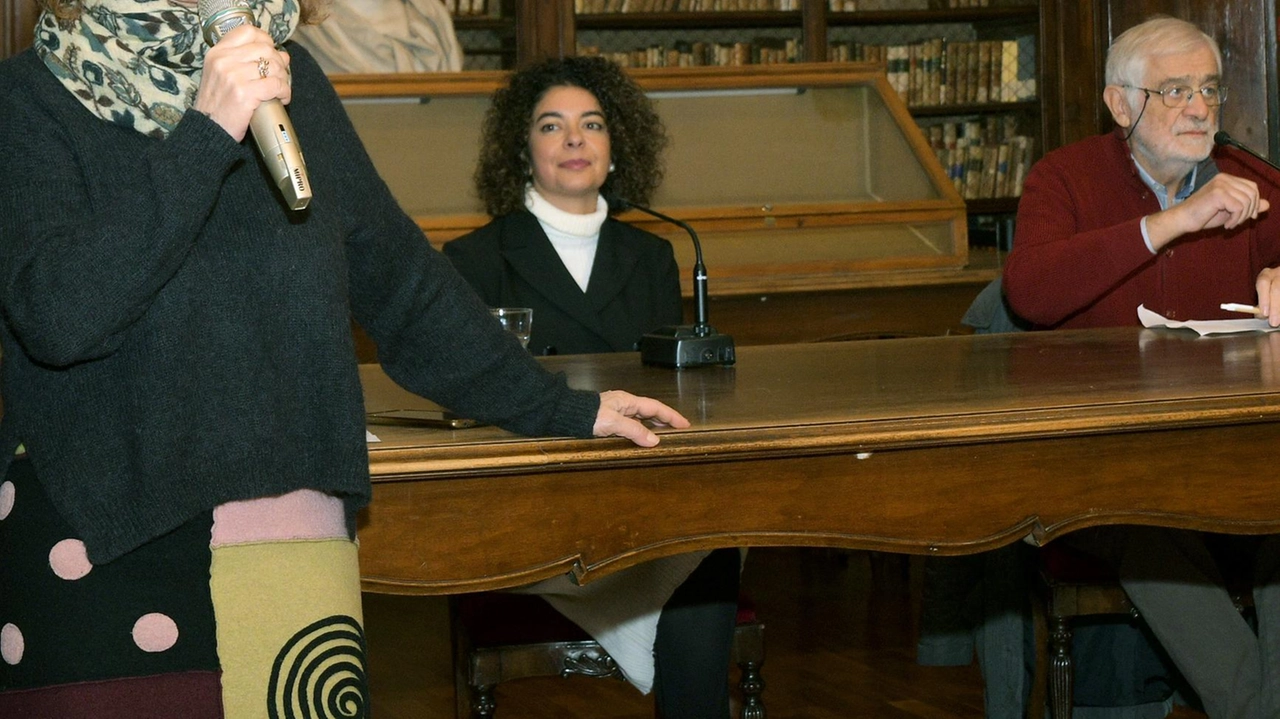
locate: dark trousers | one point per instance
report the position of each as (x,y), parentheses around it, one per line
(695,640)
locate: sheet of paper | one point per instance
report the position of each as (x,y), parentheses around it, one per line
(1205,327)
(370,436)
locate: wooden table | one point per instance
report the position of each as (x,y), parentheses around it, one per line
(943,445)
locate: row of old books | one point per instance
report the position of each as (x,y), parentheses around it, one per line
(855,5)
(761,51)
(988,130)
(468,7)
(983,159)
(941,72)
(605,7)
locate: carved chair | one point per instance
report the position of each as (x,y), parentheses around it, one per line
(498,637)
(1073,584)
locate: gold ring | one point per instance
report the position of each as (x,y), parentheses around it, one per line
(264,67)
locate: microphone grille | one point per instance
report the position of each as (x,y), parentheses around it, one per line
(207,8)
(219,17)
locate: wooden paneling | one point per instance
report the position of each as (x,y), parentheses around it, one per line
(1073,50)
(1238,28)
(545,30)
(788,317)
(1050,64)
(1244,29)
(902,305)
(17,23)
(854,314)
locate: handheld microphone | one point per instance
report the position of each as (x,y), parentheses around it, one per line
(1221,137)
(682,346)
(272,131)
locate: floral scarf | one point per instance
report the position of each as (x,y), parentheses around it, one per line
(137,63)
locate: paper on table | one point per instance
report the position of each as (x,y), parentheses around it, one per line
(1205,327)
(370,436)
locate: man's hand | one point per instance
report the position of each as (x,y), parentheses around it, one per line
(1268,286)
(619,409)
(1226,201)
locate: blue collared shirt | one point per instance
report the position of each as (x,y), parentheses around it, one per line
(1162,193)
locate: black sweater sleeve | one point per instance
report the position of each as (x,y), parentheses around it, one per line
(434,335)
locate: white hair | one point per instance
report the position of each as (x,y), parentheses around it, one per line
(1128,55)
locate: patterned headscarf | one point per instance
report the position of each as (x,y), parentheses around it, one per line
(137,63)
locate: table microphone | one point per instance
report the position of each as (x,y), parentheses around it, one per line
(680,346)
(272,129)
(1221,137)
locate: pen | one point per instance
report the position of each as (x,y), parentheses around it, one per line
(1247,309)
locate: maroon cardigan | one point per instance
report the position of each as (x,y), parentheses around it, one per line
(1079,260)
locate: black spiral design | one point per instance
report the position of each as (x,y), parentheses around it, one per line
(320,673)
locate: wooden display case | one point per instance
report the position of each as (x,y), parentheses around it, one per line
(796,177)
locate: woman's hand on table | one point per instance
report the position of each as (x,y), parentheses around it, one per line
(621,413)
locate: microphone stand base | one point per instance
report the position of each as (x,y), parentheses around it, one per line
(681,347)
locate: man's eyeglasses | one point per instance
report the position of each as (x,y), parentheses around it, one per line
(1176,96)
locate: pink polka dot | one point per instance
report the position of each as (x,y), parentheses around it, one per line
(7,493)
(69,560)
(155,632)
(12,645)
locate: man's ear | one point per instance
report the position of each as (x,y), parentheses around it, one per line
(1118,104)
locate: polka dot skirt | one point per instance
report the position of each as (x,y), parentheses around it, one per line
(65,621)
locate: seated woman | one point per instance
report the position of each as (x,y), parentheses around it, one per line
(559,139)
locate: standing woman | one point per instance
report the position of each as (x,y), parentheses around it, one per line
(558,141)
(182,450)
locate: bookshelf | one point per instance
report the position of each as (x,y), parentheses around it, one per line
(486,31)
(1000,42)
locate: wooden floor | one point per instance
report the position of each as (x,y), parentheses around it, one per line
(838,646)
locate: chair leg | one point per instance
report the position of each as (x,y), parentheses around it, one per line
(1060,670)
(482,702)
(461,646)
(1039,698)
(751,684)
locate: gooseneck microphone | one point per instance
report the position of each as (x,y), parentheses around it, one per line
(272,131)
(682,346)
(1221,137)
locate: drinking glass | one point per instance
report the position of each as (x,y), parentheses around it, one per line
(516,320)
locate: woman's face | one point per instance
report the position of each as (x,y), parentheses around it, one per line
(569,148)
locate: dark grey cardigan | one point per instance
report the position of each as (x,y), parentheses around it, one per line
(174,338)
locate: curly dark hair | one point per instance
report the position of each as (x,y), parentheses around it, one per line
(637,136)
(309,11)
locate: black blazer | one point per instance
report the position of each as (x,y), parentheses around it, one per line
(634,286)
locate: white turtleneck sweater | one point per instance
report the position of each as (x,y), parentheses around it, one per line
(573,236)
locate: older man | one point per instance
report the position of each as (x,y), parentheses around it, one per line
(1153,214)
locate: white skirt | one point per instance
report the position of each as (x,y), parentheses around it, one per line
(620,611)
